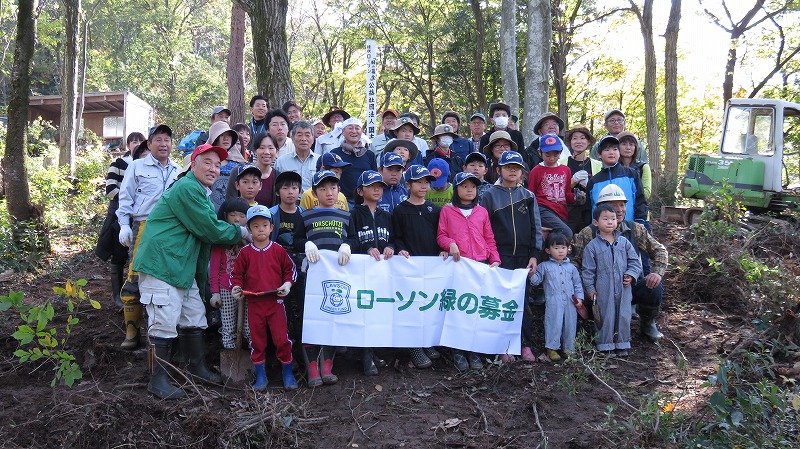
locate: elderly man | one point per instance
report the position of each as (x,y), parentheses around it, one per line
(355,151)
(331,139)
(648,292)
(302,160)
(172,261)
(388,119)
(477,127)
(614,121)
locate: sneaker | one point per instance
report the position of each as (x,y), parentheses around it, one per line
(419,359)
(460,361)
(527,354)
(475,361)
(553,355)
(432,353)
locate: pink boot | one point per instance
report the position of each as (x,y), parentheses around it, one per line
(527,354)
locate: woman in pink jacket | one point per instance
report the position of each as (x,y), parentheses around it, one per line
(465,230)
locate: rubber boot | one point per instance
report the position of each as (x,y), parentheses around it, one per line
(647,325)
(261,377)
(159,379)
(311,357)
(117,278)
(132,316)
(369,363)
(193,348)
(289,383)
(328,378)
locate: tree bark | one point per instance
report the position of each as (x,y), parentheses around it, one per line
(508,53)
(537,70)
(670,183)
(235,64)
(268,23)
(480,39)
(69,123)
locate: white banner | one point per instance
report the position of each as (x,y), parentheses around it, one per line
(414,303)
(370,127)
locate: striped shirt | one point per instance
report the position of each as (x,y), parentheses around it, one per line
(327,228)
(116,172)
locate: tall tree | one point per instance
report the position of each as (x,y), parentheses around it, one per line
(235,64)
(268,25)
(68,126)
(670,183)
(480,40)
(508,53)
(26,217)
(537,68)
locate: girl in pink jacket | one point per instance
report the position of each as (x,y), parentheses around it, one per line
(465,230)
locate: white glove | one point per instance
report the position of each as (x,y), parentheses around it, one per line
(344,254)
(312,254)
(283,290)
(580,177)
(237,293)
(215,300)
(246,235)
(125,235)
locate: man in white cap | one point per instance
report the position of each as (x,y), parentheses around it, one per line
(356,151)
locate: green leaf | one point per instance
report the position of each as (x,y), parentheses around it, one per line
(81,282)
(736,418)
(5,305)
(95,304)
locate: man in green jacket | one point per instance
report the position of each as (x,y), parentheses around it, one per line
(172,261)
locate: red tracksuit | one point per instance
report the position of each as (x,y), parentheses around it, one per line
(260,270)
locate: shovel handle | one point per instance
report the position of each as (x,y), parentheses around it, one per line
(268,292)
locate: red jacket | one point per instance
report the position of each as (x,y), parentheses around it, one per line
(552,187)
(260,270)
(473,235)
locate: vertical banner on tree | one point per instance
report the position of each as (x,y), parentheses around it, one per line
(413,303)
(370,129)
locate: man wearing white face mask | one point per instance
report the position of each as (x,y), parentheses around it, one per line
(499,114)
(443,137)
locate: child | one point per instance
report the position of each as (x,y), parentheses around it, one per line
(330,236)
(582,167)
(415,223)
(248,183)
(629,157)
(334,163)
(370,232)
(476,164)
(465,230)
(550,182)
(625,178)
(405,148)
(392,172)
(406,128)
(263,266)
(514,215)
(610,264)
(233,210)
(441,190)
(221,135)
(562,282)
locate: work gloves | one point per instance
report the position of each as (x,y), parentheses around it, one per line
(125,235)
(580,177)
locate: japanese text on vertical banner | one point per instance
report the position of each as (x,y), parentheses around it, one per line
(370,127)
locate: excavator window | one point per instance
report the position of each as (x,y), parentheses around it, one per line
(748,131)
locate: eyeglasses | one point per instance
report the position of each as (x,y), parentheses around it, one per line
(501,145)
(616,120)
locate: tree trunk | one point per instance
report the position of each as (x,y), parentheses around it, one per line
(27,219)
(480,38)
(68,126)
(508,53)
(235,64)
(670,183)
(537,69)
(558,59)
(268,23)
(81,103)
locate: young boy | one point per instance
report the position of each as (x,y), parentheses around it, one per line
(626,178)
(441,191)
(263,266)
(550,182)
(324,227)
(609,267)
(476,164)
(415,223)
(392,173)
(517,228)
(248,182)
(405,148)
(370,232)
(334,163)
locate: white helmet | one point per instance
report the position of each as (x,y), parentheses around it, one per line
(611,192)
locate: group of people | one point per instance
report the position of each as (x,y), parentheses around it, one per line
(239,223)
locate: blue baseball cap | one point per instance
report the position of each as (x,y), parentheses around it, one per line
(245,169)
(511,157)
(333,160)
(391,160)
(478,115)
(465,176)
(416,172)
(258,211)
(369,177)
(323,175)
(440,169)
(475,155)
(549,143)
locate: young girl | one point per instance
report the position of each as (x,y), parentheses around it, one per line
(579,140)
(562,283)
(221,135)
(245,136)
(370,232)
(629,157)
(233,210)
(465,230)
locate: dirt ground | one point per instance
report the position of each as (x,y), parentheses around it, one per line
(502,406)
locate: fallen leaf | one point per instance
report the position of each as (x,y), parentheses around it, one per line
(378,387)
(452,422)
